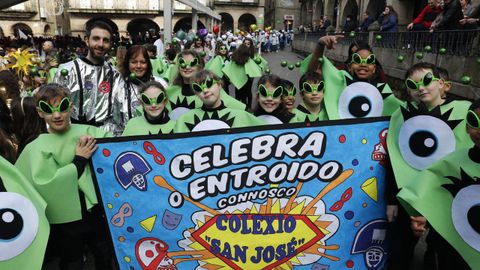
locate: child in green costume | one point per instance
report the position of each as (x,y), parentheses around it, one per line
(56,165)
(270,108)
(180,94)
(311,89)
(217,63)
(446,194)
(426,130)
(159,66)
(213,114)
(289,95)
(23,225)
(155,119)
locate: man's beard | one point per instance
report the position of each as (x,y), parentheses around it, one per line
(94,56)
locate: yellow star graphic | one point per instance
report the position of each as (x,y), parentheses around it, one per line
(23,61)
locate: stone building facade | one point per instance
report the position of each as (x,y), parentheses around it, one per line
(59,17)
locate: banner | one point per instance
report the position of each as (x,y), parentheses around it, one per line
(301,196)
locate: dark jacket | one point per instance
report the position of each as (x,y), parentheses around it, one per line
(450,17)
(388,23)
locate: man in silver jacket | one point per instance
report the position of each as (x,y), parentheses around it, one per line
(96,87)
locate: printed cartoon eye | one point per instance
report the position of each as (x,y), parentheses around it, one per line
(18,224)
(424,139)
(360,100)
(466,215)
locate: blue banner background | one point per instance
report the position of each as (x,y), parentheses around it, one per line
(350,143)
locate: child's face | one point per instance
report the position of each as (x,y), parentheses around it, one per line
(363,70)
(430,91)
(474,132)
(268,97)
(58,121)
(312,93)
(190,67)
(209,92)
(153,101)
(288,98)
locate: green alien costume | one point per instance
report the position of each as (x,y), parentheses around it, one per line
(447,194)
(159,67)
(303,115)
(216,65)
(238,75)
(47,164)
(182,99)
(23,223)
(142,126)
(347,98)
(418,137)
(223,117)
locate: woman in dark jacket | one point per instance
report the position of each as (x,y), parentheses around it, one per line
(388,20)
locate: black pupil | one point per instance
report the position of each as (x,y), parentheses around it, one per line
(197,88)
(308,88)
(423,143)
(360,106)
(473,217)
(194,62)
(472,120)
(320,86)
(11,224)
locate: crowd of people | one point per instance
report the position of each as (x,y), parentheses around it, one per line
(53,108)
(436,15)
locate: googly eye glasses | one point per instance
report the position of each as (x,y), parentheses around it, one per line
(152,101)
(207,83)
(473,120)
(426,81)
(187,64)
(62,107)
(276,93)
(310,88)
(357,59)
(290,93)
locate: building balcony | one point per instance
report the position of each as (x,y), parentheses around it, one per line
(237,2)
(23,10)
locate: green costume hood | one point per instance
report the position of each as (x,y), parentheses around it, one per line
(418,137)
(238,75)
(346,98)
(447,194)
(24,238)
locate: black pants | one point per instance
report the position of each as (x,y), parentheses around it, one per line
(445,257)
(69,240)
(244,94)
(402,242)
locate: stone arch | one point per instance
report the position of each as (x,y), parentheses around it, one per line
(303,14)
(246,20)
(185,24)
(27,30)
(226,22)
(376,7)
(318,10)
(142,25)
(349,8)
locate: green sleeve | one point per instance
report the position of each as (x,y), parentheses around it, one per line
(181,122)
(305,63)
(51,74)
(215,65)
(16,183)
(252,69)
(245,119)
(236,74)
(334,85)
(231,102)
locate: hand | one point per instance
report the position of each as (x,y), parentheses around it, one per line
(86,146)
(329,41)
(392,212)
(410,26)
(418,225)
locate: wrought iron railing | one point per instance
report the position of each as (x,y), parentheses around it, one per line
(459,42)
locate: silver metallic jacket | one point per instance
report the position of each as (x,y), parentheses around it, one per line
(103,93)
